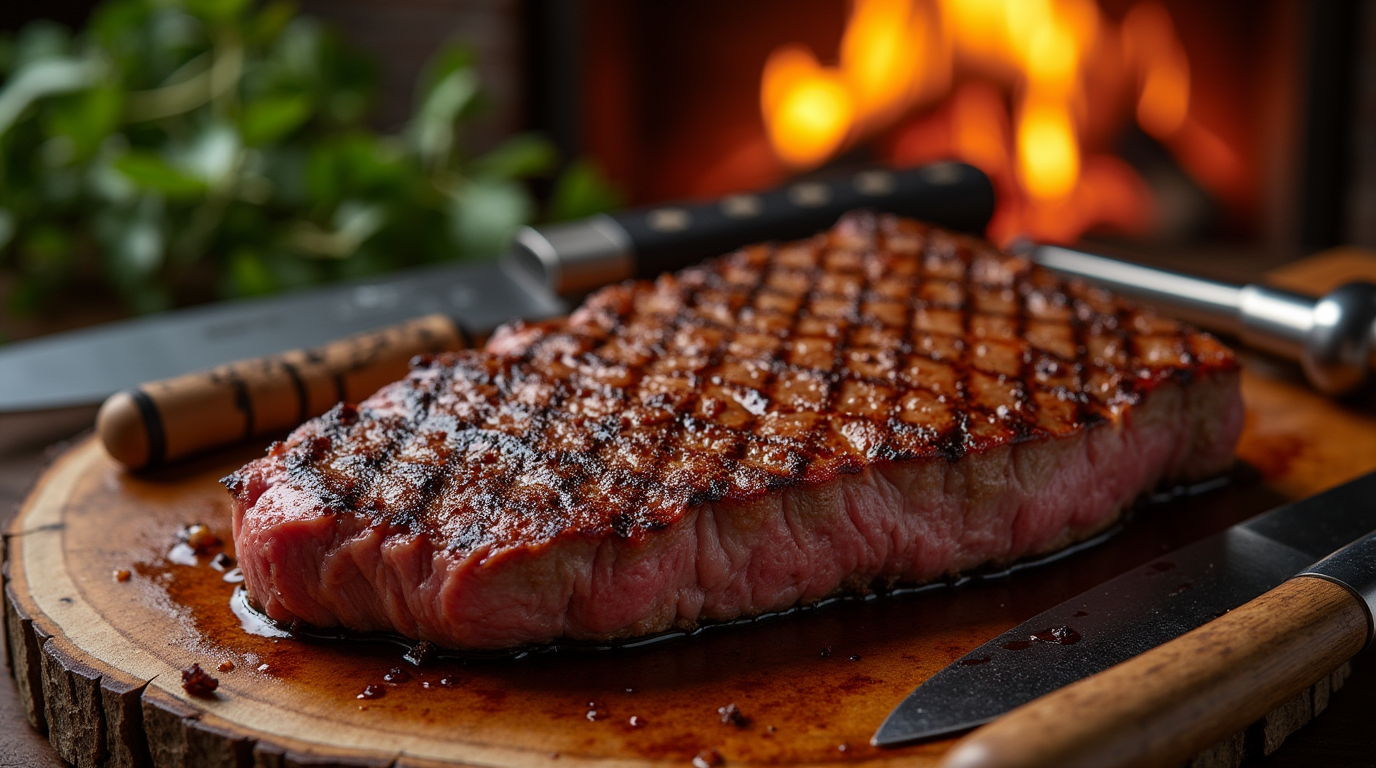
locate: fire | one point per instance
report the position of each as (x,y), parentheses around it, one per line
(1030,91)
(811,107)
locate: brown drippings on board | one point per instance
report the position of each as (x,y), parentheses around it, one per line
(198,682)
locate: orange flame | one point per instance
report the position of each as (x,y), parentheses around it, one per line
(809,106)
(1021,79)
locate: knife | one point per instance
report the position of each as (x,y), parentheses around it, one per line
(84,367)
(1144,608)
(1332,337)
(178,414)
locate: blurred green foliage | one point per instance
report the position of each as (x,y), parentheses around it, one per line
(224,140)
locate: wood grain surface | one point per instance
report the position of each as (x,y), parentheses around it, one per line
(97,661)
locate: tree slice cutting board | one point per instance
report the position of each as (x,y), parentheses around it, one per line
(99,660)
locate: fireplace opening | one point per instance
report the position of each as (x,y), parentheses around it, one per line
(1153,121)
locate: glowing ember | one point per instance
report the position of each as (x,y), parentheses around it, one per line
(1030,91)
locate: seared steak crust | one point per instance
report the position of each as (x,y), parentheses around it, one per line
(885,401)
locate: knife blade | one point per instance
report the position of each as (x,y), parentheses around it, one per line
(86,366)
(1133,613)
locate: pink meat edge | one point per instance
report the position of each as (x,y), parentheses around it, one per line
(723,561)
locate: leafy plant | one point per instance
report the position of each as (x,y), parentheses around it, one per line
(175,142)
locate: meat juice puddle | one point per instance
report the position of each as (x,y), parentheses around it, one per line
(837,645)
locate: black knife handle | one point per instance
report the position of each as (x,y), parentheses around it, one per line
(579,256)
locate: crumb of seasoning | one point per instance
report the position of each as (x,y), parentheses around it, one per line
(396,676)
(731,715)
(372,692)
(198,537)
(198,683)
(826,652)
(708,758)
(855,657)
(637,722)
(226,666)
(449,682)
(262,667)
(122,575)
(592,715)
(843,747)
(222,562)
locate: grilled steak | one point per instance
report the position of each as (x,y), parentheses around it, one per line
(882,403)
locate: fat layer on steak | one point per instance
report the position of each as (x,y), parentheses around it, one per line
(885,402)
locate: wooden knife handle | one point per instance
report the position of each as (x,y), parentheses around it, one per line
(1170,703)
(169,419)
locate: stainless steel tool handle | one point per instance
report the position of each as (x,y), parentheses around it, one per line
(1333,337)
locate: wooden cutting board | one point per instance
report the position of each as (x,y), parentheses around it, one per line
(98,660)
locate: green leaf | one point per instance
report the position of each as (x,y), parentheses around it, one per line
(44,78)
(87,118)
(451,84)
(270,22)
(249,274)
(446,61)
(354,222)
(581,191)
(355,164)
(150,172)
(485,215)
(270,119)
(107,184)
(213,154)
(521,156)
(218,11)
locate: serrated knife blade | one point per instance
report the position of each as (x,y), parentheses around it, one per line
(1132,613)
